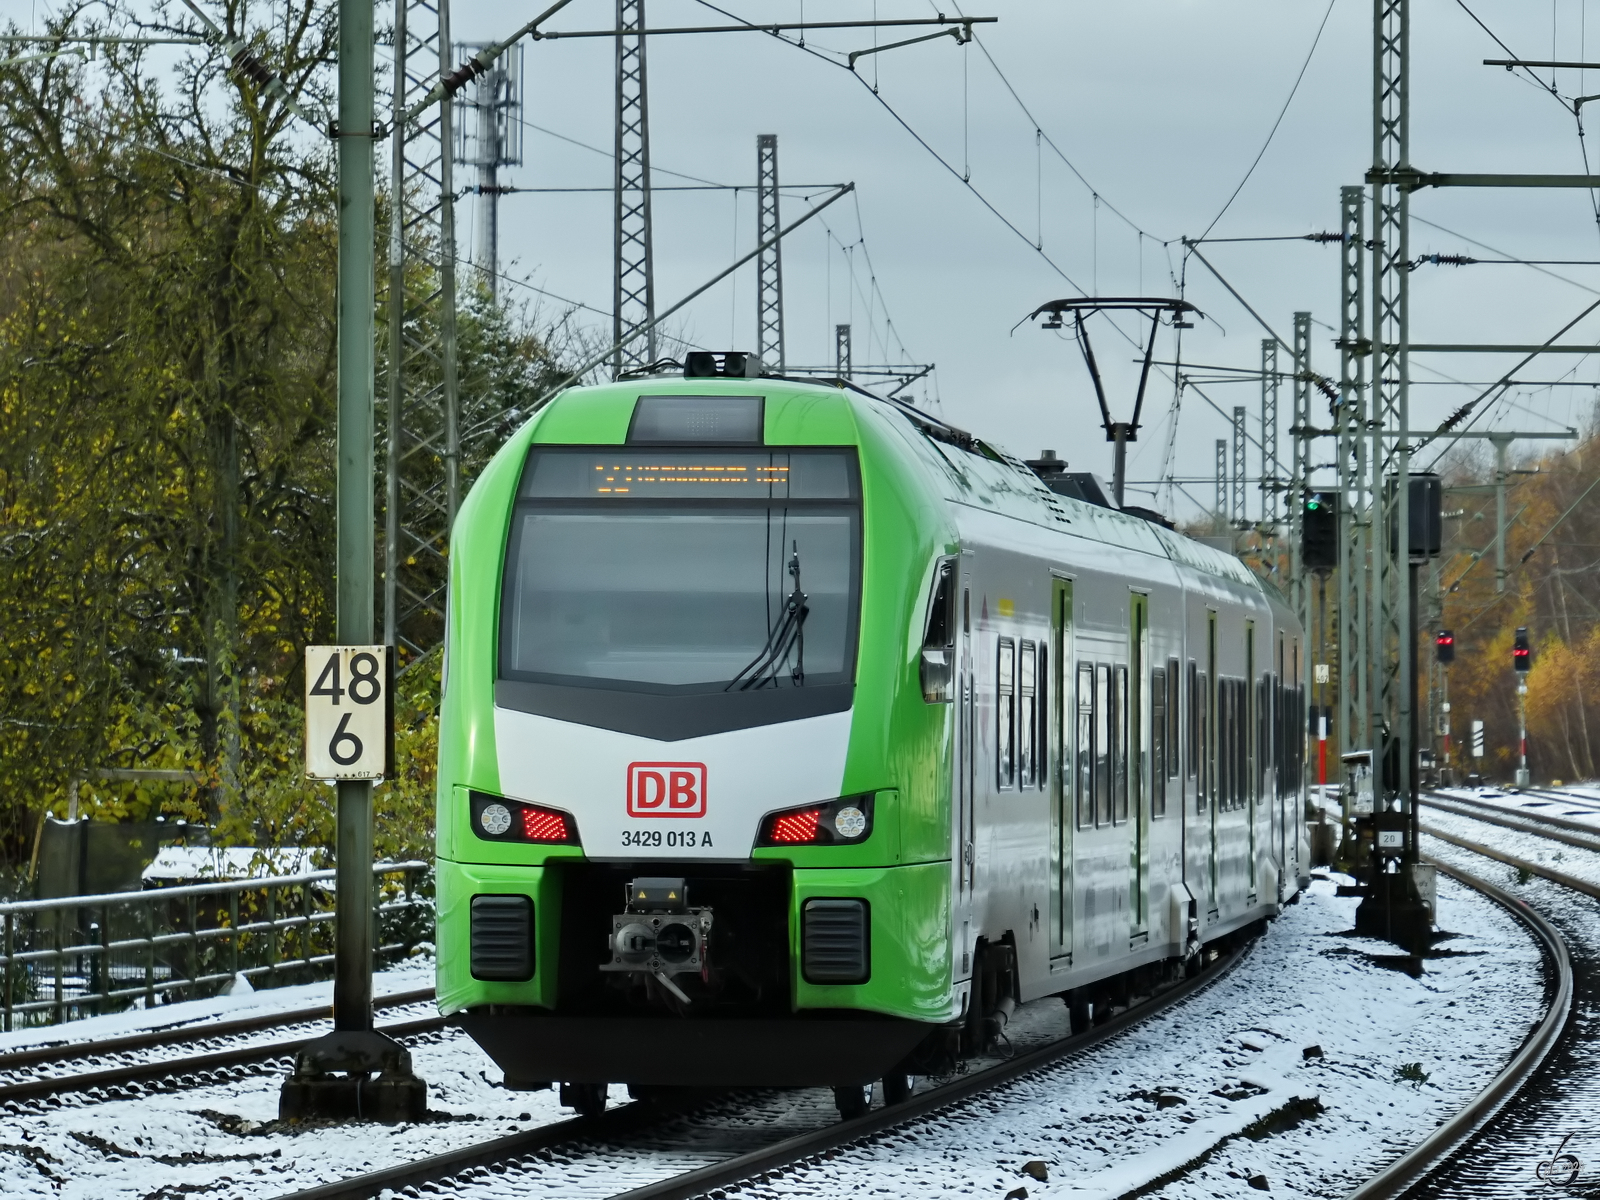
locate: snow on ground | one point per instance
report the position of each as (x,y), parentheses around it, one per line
(407,976)
(1542,851)
(1572,803)
(1195,1082)
(1192,1083)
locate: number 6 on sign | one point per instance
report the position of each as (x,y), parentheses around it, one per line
(349,712)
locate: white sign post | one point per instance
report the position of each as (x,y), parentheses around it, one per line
(349,712)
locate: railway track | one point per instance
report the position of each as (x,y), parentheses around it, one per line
(1492,1149)
(720,1139)
(716,1141)
(1550,825)
(118,1068)
(1436,1156)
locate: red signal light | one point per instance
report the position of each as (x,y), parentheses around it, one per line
(793,828)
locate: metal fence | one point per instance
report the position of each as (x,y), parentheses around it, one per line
(81,956)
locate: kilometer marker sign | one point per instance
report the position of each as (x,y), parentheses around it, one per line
(349,712)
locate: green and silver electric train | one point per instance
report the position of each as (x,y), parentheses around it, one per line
(792,736)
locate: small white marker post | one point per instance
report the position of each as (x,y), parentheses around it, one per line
(349,712)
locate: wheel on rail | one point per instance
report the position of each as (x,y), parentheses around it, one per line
(897,1087)
(589,1099)
(852,1101)
(1079,1013)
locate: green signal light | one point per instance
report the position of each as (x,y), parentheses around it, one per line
(1313,505)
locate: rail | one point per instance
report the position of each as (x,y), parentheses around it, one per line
(1400,1175)
(441,1172)
(78,956)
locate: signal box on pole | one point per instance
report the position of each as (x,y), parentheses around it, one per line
(1445,646)
(1319,541)
(1521,652)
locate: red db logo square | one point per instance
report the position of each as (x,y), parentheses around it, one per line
(666,789)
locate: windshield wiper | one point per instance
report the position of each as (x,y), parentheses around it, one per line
(788,635)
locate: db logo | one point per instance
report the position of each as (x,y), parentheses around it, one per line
(666,789)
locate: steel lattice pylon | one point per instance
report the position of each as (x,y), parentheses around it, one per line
(488,122)
(634,297)
(1236,509)
(1222,482)
(1269,426)
(841,351)
(1353,516)
(1299,486)
(422,452)
(1300,439)
(769,264)
(1390,695)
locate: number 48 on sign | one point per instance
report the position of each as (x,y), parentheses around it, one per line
(349,712)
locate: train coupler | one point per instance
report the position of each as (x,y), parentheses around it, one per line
(660,935)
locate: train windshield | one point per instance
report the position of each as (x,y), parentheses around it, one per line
(682,571)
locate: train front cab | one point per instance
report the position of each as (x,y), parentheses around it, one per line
(801,960)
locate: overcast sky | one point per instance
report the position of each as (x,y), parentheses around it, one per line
(1156,107)
(1161,105)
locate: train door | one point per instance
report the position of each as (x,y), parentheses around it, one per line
(966,774)
(1280,775)
(1138,743)
(1209,754)
(1252,753)
(1059,757)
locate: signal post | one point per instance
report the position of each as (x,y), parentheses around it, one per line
(353,1071)
(1444,643)
(1521,660)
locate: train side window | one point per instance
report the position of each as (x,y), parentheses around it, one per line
(1228,744)
(1102,744)
(1119,744)
(1225,745)
(1027,714)
(1241,691)
(1005,708)
(1202,725)
(1279,748)
(1041,735)
(1158,742)
(1287,703)
(1174,721)
(1193,748)
(1300,740)
(1226,720)
(1264,759)
(1241,741)
(1085,746)
(937,667)
(1286,737)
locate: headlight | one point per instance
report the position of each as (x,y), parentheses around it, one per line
(497,819)
(843,822)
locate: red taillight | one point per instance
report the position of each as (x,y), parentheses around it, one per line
(795,827)
(542,825)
